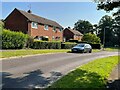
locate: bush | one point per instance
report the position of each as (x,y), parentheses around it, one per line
(29,42)
(46,45)
(76,41)
(67,45)
(13,40)
(91,38)
(95,46)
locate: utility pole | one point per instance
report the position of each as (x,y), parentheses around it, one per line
(104,38)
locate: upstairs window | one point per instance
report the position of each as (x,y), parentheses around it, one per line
(54,29)
(60,29)
(46,27)
(34,25)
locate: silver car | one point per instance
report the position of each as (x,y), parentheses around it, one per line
(82,48)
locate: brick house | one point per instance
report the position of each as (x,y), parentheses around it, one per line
(71,34)
(33,25)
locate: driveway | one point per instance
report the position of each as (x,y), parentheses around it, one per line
(42,70)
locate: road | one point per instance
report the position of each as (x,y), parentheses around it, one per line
(42,70)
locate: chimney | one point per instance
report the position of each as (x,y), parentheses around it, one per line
(69,28)
(29,11)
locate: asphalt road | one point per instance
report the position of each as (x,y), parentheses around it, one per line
(41,70)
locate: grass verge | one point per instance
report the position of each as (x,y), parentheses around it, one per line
(112,49)
(91,75)
(13,53)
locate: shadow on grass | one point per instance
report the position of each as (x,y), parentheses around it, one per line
(114,85)
(28,82)
(81,79)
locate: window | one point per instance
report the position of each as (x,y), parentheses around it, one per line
(54,29)
(53,37)
(60,29)
(34,25)
(46,27)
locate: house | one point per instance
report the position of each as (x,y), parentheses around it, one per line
(33,25)
(71,34)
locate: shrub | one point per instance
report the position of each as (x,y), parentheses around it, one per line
(30,41)
(67,45)
(13,40)
(46,45)
(95,46)
(76,41)
(91,38)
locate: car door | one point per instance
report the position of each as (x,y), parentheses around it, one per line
(87,48)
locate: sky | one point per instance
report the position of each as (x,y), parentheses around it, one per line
(65,13)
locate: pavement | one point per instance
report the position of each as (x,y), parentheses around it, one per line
(114,78)
(42,70)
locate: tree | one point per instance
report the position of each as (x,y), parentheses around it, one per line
(83,26)
(91,38)
(116,30)
(108,5)
(105,29)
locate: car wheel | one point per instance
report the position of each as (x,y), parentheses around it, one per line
(90,51)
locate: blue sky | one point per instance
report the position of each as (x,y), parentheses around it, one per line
(65,13)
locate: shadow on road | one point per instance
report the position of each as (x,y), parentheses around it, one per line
(31,80)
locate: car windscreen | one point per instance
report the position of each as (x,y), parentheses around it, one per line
(81,45)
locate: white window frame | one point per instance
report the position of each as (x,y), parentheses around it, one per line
(53,37)
(54,29)
(46,27)
(34,25)
(60,29)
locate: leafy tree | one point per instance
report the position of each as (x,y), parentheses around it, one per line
(91,38)
(95,29)
(107,5)
(83,26)
(106,24)
(116,30)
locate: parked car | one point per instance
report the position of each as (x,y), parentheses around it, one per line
(82,48)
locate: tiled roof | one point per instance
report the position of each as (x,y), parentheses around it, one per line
(38,19)
(75,32)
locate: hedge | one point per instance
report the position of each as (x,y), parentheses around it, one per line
(67,45)
(96,46)
(13,40)
(46,45)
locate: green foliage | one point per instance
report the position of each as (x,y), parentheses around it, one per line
(13,40)
(107,5)
(116,30)
(83,26)
(91,38)
(91,75)
(46,45)
(67,45)
(105,24)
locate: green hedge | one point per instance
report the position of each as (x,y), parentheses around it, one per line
(13,40)
(46,45)
(67,45)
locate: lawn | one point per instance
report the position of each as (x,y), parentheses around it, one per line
(12,53)
(112,49)
(91,75)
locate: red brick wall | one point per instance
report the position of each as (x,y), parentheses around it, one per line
(41,32)
(16,22)
(68,35)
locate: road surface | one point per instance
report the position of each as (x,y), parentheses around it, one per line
(42,70)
